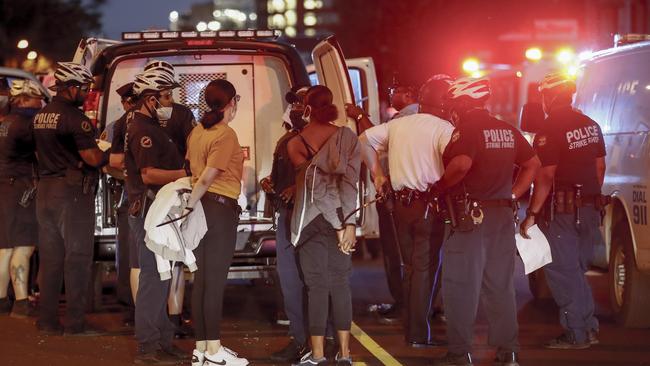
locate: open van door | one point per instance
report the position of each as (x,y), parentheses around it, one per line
(332,71)
(89,48)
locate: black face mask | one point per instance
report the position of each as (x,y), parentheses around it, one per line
(296,119)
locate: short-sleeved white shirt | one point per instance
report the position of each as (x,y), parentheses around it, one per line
(415,144)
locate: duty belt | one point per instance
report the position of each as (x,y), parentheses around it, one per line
(407,195)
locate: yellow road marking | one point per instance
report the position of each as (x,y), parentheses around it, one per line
(372,346)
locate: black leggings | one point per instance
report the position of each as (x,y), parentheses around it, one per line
(326,271)
(213,257)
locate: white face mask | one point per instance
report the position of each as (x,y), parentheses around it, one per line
(3,100)
(163,113)
(306,115)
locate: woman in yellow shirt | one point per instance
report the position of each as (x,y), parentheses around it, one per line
(216,161)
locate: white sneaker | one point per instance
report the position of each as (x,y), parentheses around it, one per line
(198,358)
(225,357)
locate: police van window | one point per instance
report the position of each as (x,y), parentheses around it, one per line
(595,94)
(356,78)
(191,91)
(631,112)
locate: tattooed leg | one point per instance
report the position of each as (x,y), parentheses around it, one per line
(5,257)
(20,271)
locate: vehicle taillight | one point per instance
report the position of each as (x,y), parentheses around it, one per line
(91,105)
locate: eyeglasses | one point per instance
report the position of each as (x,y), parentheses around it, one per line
(237,97)
(84,87)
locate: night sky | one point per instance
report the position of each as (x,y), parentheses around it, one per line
(134,15)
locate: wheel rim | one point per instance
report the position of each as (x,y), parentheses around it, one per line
(619,276)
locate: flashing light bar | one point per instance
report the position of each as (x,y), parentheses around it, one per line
(148,36)
(623,39)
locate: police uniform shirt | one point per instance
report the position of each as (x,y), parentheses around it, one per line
(415,144)
(119,130)
(17,158)
(571,141)
(495,147)
(60,131)
(179,126)
(147,146)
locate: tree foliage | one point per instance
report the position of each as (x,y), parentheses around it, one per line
(52,27)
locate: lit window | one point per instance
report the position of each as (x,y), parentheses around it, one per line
(310,19)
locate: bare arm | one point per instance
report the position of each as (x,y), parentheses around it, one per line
(208,175)
(93,157)
(527,172)
(116,161)
(155,176)
(542,187)
(455,171)
(600,170)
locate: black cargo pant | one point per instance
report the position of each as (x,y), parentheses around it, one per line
(213,257)
(123,262)
(479,265)
(326,271)
(572,248)
(392,260)
(153,329)
(420,240)
(66,218)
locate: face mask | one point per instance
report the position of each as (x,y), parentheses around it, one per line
(233,112)
(306,114)
(163,113)
(28,112)
(3,100)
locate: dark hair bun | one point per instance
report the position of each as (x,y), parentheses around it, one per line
(320,98)
(217,95)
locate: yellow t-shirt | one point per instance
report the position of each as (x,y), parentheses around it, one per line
(217,147)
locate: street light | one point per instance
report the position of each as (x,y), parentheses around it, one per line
(32,55)
(201,26)
(214,25)
(22,44)
(565,55)
(173,16)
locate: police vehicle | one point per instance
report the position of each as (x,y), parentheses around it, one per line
(16,74)
(613,88)
(263,69)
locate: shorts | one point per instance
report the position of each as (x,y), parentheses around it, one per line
(18,224)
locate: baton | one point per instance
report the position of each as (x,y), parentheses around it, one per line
(174,220)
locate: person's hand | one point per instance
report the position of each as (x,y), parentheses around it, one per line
(380,184)
(353,111)
(287,194)
(267,185)
(528,222)
(348,239)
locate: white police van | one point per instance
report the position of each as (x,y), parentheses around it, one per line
(614,89)
(262,69)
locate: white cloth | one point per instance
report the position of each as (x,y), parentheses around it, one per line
(534,252)
(174,242)
(415,144)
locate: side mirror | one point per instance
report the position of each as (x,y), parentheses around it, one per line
(532,117)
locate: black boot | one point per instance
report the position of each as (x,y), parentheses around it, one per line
(293,352)
(506,359)
(453,359)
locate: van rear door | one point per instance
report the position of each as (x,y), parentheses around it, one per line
(333,73)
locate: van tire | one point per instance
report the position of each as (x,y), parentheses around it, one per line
(538,285)
(628,287)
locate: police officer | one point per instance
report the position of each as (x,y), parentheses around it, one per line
(18,225)
(415,144)
(479,255)
(152,161)
(571,148)
(127,268)
(177,121)
(404,99)
(68,158)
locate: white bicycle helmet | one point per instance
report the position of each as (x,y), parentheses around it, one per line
(557,82)
(26,87)
(72,73)
(469,89)
(153,81)
(160,66)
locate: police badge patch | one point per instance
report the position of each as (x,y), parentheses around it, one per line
(85,125)
(146,142)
